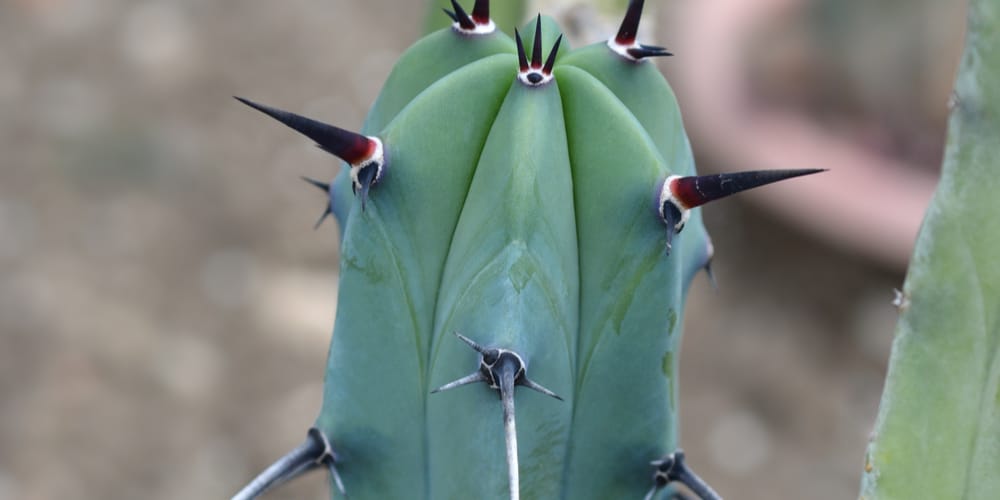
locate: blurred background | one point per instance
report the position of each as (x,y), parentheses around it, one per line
(165,306)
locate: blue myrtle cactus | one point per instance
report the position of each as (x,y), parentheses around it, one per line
(521,218)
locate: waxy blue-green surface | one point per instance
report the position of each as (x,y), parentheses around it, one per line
(523,218)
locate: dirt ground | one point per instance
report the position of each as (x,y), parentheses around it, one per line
(165,306)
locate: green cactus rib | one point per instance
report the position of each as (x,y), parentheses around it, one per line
(521,207)
(937,434)
(392,258)
(511,282)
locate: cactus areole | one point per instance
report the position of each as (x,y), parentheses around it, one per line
(511,218)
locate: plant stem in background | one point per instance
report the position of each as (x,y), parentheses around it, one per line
(938,430)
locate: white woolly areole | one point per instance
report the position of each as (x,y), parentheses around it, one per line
(622,50)
(377,157)
(522,76)
(667,194)
(480,29)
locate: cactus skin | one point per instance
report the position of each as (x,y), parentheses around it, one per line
(531,202)
(937,434)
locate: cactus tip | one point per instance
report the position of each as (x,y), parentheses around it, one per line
(479,23)
(625,42)
(461,17)
(537,72)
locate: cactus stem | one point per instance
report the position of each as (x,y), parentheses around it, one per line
(678,195)
(478,24)
(364,153)
(502,370)
(536,73)
(625,43)
(326,190)
(314,452)
(672,468)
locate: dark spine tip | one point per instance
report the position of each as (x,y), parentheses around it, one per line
(644,51)
(630,25)
(451,14)
(711,275)
(536,50)
(321,185)
(319,222)
(551,61)
(462,18)
(522,58)
(481,12)
(695,191)
(348,146)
